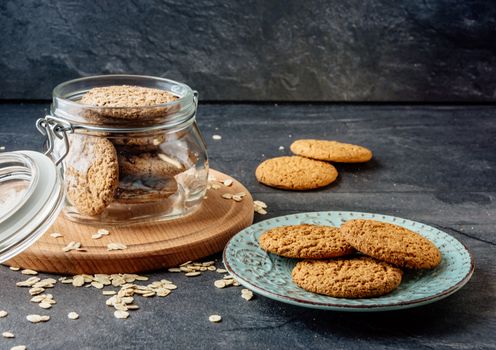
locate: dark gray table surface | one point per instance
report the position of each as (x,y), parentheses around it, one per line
(433,164)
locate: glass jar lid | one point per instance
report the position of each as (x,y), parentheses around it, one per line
(31,197)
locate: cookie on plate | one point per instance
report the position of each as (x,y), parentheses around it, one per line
(295,173)
(151,165)
(331,151)
(391,243)
(361,277)
(305,241)
(133,190)
(91,174)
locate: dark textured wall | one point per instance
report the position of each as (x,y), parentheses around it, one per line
(317,50)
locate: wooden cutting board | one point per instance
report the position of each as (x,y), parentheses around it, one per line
(150,246)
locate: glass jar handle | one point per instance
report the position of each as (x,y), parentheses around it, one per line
(53,128)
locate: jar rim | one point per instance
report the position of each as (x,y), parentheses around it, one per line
(66,104)
(57,91)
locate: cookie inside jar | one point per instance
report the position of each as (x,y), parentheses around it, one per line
(136,153)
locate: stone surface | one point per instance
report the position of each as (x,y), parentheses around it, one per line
(316,50)
(436,165)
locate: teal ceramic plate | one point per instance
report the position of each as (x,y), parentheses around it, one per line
(270,275)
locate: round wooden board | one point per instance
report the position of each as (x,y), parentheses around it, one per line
(149,246)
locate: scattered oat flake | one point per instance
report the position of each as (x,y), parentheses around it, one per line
(38,298)
(163,292)
(97,285)
(109,292)
(29,272)
(281,148)
(246,294)
(100,233)
(227,196)
(192,274)
(45,305)
(156,142)
(29,282)
(3,313)
(36,291)
(170,286)
(116,246)
(217,137)
(45,283)
(103,231)
(260,207)
(220,284)
(33,318)
(18,347)
(229,282)
(260,211)
(37,318)
(174,269)
(260,204)
(215,318)
(14,268)
(8,335)
(121,314)
(72,246)
(73,315)
(170,160)
(228,182)
(55,235)
(237,198)
(78,281)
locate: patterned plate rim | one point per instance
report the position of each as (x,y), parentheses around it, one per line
(340,307)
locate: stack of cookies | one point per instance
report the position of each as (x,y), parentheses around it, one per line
(360,259)
(125,168)
(309,168)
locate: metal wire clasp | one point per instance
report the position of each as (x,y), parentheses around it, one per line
(195,99)
(53,128)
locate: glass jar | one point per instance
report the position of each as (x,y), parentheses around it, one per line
(124,165)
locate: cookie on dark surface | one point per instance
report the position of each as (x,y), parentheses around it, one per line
(331,151)
(295,173)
